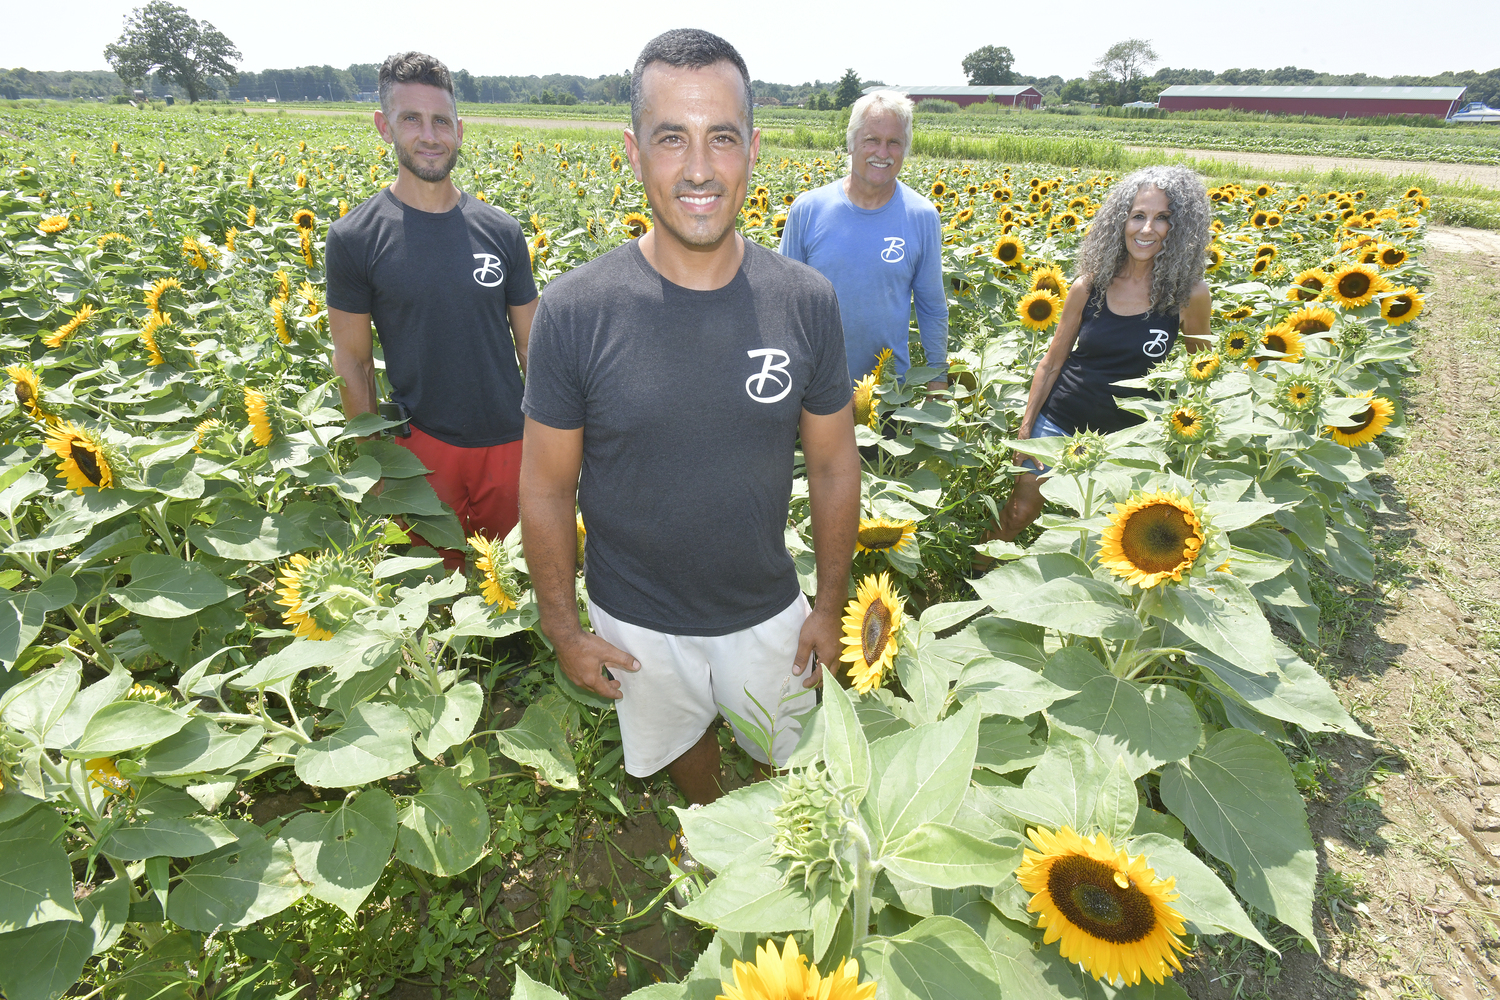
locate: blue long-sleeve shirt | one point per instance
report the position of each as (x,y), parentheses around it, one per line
(880,261)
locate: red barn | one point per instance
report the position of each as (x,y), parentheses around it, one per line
(1325,102)
(1017,96)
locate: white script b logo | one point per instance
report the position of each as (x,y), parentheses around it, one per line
(895,250)
(1157,345)
(489,265)
(771,370)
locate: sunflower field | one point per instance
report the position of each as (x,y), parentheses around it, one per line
(1055,766)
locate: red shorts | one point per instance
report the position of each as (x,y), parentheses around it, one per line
(480,484)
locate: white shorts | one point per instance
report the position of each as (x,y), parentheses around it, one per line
(685,681)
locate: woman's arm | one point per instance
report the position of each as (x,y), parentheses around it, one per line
(1195,319)
(1051,364)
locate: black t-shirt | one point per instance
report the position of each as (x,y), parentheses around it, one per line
(690,403)
(437,285)
(1109,349)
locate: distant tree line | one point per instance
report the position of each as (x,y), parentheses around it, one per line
(310,83)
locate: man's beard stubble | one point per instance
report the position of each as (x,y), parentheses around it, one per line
(404,158)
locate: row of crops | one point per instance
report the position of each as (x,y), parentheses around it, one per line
(1062,763)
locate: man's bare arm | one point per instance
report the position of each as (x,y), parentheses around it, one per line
(833,479)
(520,327)
(354,361)
(550,462)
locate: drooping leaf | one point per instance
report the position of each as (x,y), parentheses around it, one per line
(941,958)
(445,827)
(1058,591)
(1204,900)
(166,836)
(168,587)
(374,743)
(126,725)
(249,881)
(1146,724)
(540,740)
(920,776)
(245,531)
(947,857)
(737,825)
(442,720)
(42,962)
(751,898)
(1001,687)
(36,880)
(341,854)
(1238,798)
(199,747)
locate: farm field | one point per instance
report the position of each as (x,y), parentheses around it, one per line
(252,740)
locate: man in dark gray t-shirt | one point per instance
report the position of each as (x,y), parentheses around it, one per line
(675,376)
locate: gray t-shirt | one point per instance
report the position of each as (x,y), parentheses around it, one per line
(690,403)
(437,285)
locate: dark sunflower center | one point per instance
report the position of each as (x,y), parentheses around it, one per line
(1365,420)
(87,463)
(1007,252)
(1155,538)
(1039,310)
(878,537)
(1395,309)
(24,395)
(1236,343)
(1276,343)
(875,630)
(1078,450)
(1354,284)
(1392,257)
(1185,420)
(1312,324)
(1086,892)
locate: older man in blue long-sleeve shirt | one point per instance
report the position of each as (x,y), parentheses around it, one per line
(879,243)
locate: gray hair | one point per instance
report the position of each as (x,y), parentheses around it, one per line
(877,102)
(1178,267)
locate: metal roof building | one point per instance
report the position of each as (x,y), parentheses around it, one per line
(1016,96)
(1325,102)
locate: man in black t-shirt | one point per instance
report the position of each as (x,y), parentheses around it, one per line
(676,374)
(447,281)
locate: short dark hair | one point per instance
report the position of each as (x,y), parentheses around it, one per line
(686,48)
(414,67)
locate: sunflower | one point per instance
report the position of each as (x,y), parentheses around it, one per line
(230,237)
(80,318)
(304,218)
(1412,193)
(307,247)
(1273,220)
(1391,257)
(257,414)
(1203,367)
(1238,313)
(778,222)
(322,594)
(964,216)
(864,401)
(1266,250)
(84,460)
(1259,219)
(1402,307)
(885,363)
(154,322)
(53,224)
(203,429)
(881,535)
(1236,344)
(939,189)
(1216,258)
(1311,320)
(1368,425)
(1189,423)
(786,976)
(102,772)
(582,538)
(1298,394)
(250,217)
(638,224)
(1284,341)
(1151,538)
(1109,910)
(28,390)
(1310,284)
(1082,453)
(1039,310)
(498,587)
(1261,265)
(754,219)
(116,243)
(156,291)
(872,623)
(1354,285)
(283,285)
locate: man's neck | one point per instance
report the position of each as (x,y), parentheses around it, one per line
(425,196)
(702,269)
(866,195)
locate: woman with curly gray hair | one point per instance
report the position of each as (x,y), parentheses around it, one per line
(1138,283)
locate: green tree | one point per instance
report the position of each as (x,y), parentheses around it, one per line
(849,90)
(164,39)
(989,66)
(468,89)
(1124,65)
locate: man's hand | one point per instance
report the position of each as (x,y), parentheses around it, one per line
(938,385)
(822,636)
(584,657)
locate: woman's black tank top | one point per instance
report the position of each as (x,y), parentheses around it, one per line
(1109,349)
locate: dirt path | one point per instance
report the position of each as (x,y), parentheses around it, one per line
(1486,176)
(1408,826)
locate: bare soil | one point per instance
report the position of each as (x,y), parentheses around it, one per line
(1459,173)
(1408,825)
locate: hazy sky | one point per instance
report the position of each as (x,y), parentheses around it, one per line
(902,43)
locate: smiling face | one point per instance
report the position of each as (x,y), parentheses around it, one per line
(879,149)
(424,126)
(694,151)
(1149,222)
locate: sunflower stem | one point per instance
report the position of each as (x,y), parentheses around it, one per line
(864,880)
(106,658)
